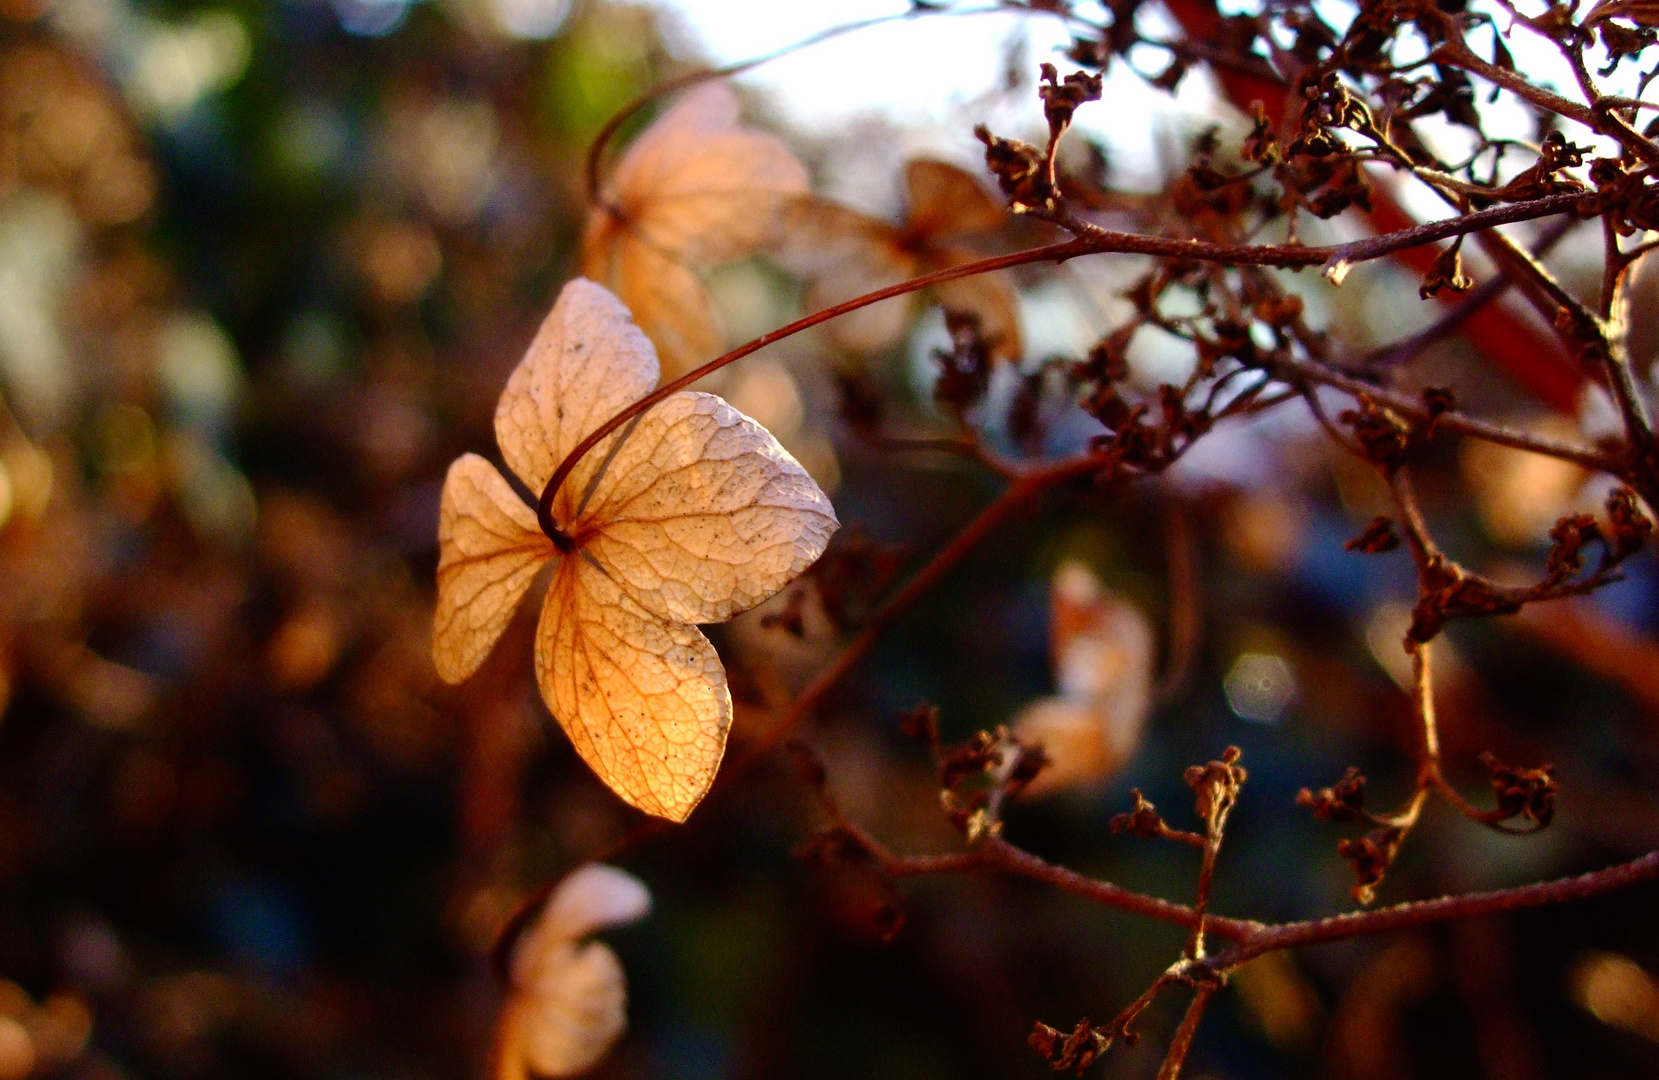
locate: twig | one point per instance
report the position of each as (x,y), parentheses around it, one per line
(1314,371)
(1408,349)
(1093,241)
(1427,912)
(1176,1056)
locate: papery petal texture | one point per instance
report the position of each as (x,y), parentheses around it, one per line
(698,185)
(694,190)
(587,362)
(644,701)
(489,550)
(702,514)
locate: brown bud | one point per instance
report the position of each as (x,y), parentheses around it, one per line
(1019,167)
(1629,528)
(1385,437)
(1371,856)
(1061,98)
(1075,1050)
(1379,536)
(1524,793)
(1342,801)
(1143,820)
(1446,273)
(1568,538)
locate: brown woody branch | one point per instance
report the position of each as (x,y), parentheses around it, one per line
(1092,240)
(1428,912)
(1252,938)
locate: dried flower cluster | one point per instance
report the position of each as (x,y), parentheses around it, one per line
(1339,115)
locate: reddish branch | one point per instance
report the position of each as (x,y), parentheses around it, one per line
(1399,422)
(1092,240)
(1427,912)
(1250,938)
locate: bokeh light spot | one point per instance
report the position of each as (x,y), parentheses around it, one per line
(1260,687)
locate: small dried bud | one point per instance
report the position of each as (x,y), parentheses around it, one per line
(1342,801)
(1107,406)
(1262,144)
(1622,42)
(1524,793)
(1385,437)
(1554,154)
(1346,187)
(1446,273)
(1371,856)
(1216,786)
(1061,98)
(1338,107)
(980,824)
(1075,1050)
(1028,765)
(1024,418)
(979,754)
(1109,359)
(1557,153)
(966,812)
(1629,528)
(1568,539)
(1605,171)
(1020,169)
(1379,536)
(965,370)
(1143,820)
(852,575)
(1317,143)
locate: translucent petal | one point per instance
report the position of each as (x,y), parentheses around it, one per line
(587,362)
(569,1018)
(667,299)
(489,550)
(644,701)
(592,897)
(990,296)
(700,187)
(945,201)
(844,254)
(702,514)
(694,190)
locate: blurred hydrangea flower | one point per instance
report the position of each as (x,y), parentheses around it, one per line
(568,1003)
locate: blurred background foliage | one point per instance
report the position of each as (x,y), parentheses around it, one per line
(264,268)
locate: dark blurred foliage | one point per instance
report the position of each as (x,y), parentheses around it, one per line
(263,271)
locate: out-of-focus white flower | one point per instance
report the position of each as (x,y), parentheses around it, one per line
(1103,656)
(568,1003)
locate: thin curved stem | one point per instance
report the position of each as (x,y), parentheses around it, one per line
(1092,240)
(596,152)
